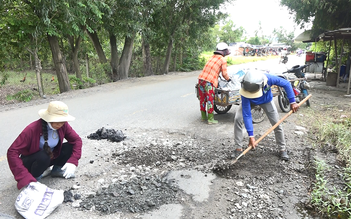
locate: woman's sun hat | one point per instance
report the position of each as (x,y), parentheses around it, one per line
(57,111)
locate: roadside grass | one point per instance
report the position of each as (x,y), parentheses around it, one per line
(236,60)
(24,87)
(26,90)
(24,84)
(331,131)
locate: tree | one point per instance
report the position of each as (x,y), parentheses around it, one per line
(325,15)
(18,26)
(230,34)
(254,41)
(179,20)
(283,36)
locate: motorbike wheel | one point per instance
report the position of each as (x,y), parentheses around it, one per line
(283,101)
(305,94)
(257,114)
(221,109)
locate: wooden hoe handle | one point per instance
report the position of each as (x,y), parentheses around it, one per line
(271,129)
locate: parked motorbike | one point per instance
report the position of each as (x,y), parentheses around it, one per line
(299,84)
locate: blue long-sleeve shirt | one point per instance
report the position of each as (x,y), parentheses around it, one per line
(265,98)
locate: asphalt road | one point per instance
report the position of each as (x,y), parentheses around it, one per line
(155,102)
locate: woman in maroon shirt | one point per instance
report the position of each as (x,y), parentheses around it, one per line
(39,149)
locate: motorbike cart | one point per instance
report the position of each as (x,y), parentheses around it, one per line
(299,84)
(224,99)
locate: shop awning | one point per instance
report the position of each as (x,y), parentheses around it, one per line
(306,37)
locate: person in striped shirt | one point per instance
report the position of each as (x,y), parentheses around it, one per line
(208,81)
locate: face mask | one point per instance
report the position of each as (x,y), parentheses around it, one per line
(51,126)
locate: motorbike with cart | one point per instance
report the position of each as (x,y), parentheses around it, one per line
(225,97)
(283,59)
(299,84)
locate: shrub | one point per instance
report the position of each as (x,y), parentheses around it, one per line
(77,83)
(3,76)
(22,96)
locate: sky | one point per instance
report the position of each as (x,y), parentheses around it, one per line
(248,14)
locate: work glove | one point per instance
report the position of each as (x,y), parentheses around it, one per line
(69,170)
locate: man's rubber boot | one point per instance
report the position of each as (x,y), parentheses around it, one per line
(211,120)
(203,116)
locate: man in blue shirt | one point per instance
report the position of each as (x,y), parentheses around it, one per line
(256,90)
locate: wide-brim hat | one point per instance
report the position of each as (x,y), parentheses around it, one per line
(57,111)
(256,94)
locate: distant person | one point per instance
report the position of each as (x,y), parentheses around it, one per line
(208,81)
(284,52)
(256,90)
(39,150)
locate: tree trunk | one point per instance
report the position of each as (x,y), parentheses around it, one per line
(181,56)
(97,45)
(37,72)
(60,66)
(126,57)
(75,45)
(168,57)
(95,39)
(175,59)
(114,55)
(147,59)
(87,65)
(30,61)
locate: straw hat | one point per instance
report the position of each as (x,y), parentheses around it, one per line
(252,84)
(57,111)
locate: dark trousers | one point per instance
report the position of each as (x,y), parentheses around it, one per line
(38,162)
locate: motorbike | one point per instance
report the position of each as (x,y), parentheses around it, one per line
(283,59)
(299,84)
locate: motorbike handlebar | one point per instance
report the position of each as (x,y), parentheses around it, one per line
(292,70)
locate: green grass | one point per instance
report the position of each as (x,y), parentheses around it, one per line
(25,86)
(237,60)
(14,78)
(331,127)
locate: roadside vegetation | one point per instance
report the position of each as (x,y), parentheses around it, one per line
(331,132)
(25,82)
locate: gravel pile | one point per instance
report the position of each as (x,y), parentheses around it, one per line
(131,176)
(137,195)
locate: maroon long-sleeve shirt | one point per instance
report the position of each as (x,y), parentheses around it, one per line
(27,143)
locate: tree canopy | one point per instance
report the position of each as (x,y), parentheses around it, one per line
(112,39)
(324,15)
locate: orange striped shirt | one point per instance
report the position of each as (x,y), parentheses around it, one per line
(215,65)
